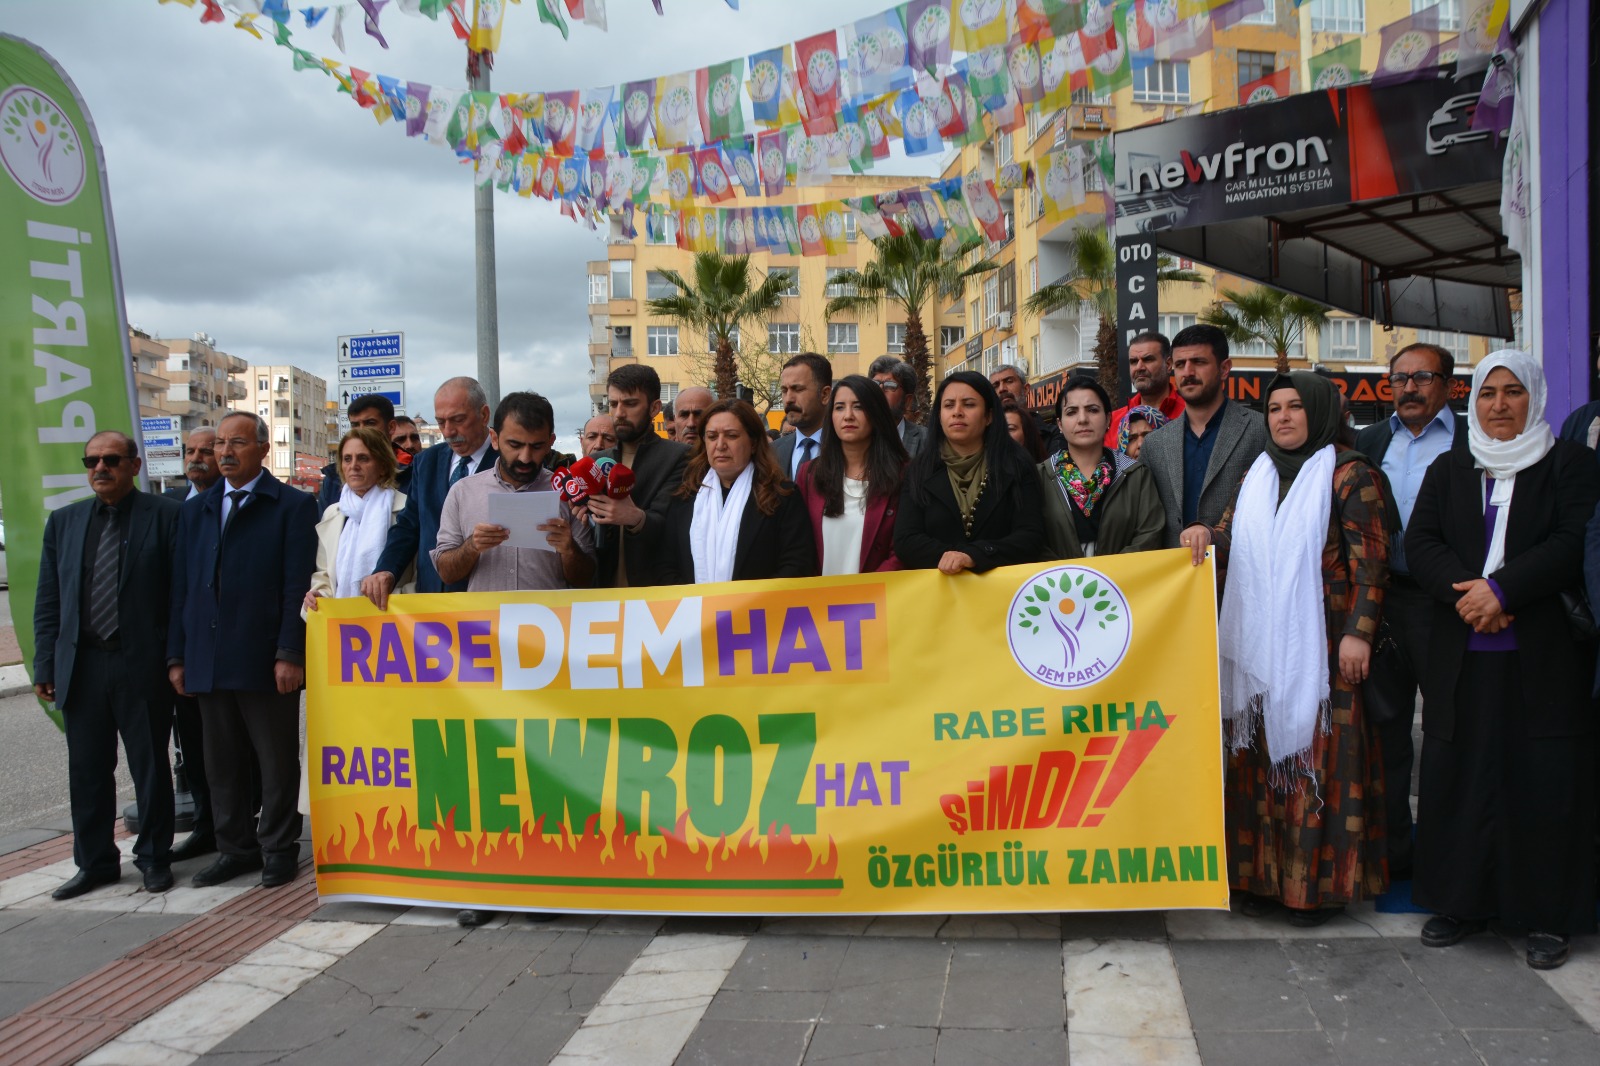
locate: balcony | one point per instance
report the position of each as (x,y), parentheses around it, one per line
(1091,117)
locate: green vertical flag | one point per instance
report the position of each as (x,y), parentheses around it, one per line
(1337,66)
(550,11)
(722,110)
(65,369)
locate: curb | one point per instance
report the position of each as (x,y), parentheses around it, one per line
(14,681)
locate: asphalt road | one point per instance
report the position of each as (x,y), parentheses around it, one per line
(33,769)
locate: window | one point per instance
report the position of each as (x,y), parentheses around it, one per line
(1454,343)
(1033,355)
(711,342)
(1033,275)
(1034,118)
(976,319)
(663,231)
(1171,325)
(1258,349)
(1339,16)
(950,336)
(599,289)
(1449,12)
(661,340)
(1253,66)
(1165,81)
(842,338)
(281,434)
(897,338)
(839,290)
(793,290)
(783,338)
(1089,96)
(1003,152)
(991,300)
(991,358)
(850,226)
(280,458)
(669,391)
(1349,339)
(622,280)
(657,287)
(1267,16)
(261,384)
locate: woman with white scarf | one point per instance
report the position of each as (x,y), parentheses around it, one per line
(1306,548)
(352,532)
(735,517)
(1506,812)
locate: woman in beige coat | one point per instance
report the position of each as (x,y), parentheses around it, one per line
(352,532)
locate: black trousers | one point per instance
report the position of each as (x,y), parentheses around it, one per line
(103,708)
(1390,693)
(244,732)
(191,743)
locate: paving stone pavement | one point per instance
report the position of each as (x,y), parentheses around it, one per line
(238,974)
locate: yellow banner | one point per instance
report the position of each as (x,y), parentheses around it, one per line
(1038,738)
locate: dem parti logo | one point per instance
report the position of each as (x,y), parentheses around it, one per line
(1069,627)
(39,147)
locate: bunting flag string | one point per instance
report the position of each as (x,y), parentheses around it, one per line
(930,74)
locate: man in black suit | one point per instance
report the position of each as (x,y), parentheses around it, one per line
(628,530)
(105,572)
(237,642)
(462,411)
(1404,445)
(200,468)
(806,382)
(899,383)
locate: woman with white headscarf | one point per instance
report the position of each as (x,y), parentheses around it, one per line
(1306,547)
(1506,810)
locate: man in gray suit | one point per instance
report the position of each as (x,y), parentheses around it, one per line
(1199,458)
(899,384)
(100,623)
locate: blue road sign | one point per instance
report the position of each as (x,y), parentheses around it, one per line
(371,346)
(366,371)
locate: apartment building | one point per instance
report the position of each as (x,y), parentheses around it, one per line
(201,383)
(294,404)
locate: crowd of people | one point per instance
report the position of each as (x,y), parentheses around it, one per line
(1431,553)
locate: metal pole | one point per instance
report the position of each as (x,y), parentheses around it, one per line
(483,228)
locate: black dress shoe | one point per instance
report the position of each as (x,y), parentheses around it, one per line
(1313,917)
(225,869)
(84,881)
(194,846)
(158,879)
(279,870)
(1442,930)
(471,919)
(1546,951)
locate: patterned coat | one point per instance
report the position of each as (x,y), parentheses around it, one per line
(1322,844)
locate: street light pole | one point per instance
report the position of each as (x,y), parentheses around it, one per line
(483,228)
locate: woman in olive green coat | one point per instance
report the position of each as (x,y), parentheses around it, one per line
(1097,501)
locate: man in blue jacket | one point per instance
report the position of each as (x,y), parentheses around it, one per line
(236,641)
(462,410)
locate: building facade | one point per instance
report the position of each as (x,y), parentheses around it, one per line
(294,404)
(201,379)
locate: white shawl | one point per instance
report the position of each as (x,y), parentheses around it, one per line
(366,528)
(1503,460)
(714,530)
(1272,634)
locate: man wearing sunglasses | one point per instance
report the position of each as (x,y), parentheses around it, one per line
(100,620)
(1405,444)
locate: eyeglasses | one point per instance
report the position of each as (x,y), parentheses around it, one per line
(890,386)
(111,461)
(408,438)
(1423,378)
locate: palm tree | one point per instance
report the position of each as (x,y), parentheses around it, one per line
(722,296)
(1263,314)
(1092,279)
(913,272)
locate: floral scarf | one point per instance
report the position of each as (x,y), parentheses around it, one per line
(1083,490)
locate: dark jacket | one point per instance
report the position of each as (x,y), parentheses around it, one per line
(1131,518)
(179,492)
(877,531)
(779,545)
(1446,544)
(232,622)
(143,605)
(657,472)
(1373,442)
(1007,528)
(416,532)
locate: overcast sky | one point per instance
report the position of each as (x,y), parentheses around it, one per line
(263,207)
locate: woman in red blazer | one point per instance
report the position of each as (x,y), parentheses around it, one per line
(852,489)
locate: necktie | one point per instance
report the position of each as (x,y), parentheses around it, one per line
(237,496)
(460,470)
(103,585)
(808,448)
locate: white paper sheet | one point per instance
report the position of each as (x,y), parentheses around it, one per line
(521,513)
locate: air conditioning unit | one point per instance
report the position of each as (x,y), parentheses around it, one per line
(622,332)
(1003,320)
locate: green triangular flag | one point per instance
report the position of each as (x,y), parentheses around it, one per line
(550,12)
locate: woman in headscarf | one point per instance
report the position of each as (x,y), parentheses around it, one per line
(1096,501)
(353,530)
(1505,819)
(971,499)
(1142,421)
(735,517)
(852,489)
(1305,543)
